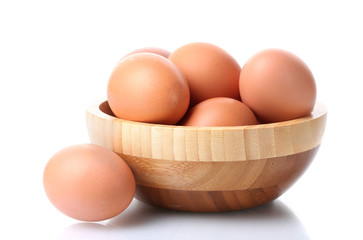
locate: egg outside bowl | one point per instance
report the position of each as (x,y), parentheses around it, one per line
(210,169)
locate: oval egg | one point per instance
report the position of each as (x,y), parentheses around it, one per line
(277,86)
(160,51)
(147,87)
(209,70)
(88,182)
(220,111)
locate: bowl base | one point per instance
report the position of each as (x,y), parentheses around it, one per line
(207,201)
(230,200)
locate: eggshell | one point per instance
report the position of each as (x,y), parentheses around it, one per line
(277,86)
(219,111)
(88,182)
(147,87)
(209,70)
(160,51)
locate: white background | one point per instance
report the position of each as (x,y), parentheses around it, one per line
(56,57)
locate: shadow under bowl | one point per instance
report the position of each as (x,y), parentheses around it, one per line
(210,169)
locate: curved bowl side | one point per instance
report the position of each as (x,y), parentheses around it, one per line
(210,169)
(258,182)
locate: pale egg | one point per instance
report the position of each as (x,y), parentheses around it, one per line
(88,182)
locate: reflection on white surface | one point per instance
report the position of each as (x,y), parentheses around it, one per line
(140,221)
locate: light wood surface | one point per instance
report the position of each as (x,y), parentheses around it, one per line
(218,176)
(210,168)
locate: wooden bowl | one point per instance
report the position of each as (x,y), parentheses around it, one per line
(210,169)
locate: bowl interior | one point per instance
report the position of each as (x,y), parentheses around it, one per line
(106,109)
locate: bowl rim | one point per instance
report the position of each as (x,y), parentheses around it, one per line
(318,111)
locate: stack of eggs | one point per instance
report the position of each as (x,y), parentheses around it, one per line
(199,84)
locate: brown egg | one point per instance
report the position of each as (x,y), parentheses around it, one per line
(220,111)
(146,87)
(88,182)
(160,51)
(209,70)
(277,86)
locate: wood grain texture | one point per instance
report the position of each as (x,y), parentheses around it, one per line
(276,176)
(206,201)
(219,176)
(215,144)
(209,164)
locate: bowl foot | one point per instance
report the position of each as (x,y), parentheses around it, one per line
(207,201)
